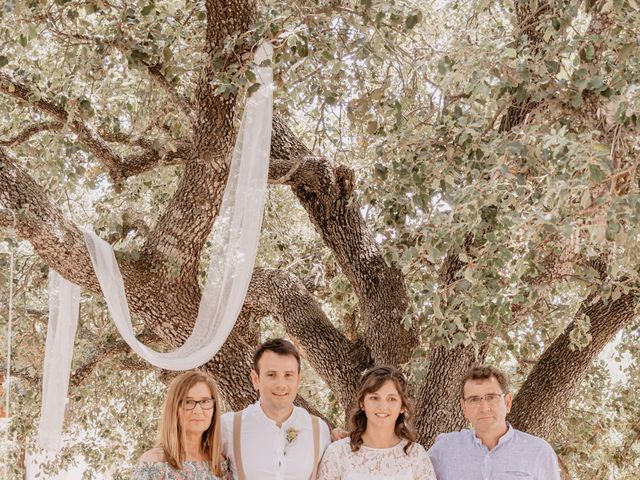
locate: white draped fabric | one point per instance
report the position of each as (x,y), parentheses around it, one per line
(64,299)
(235,242)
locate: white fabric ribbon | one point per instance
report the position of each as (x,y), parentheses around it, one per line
(64,300)
(234,247)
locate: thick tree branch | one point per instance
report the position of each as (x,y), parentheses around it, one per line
(438,398)
(6,217)
(543,399)
(55,239)
(326,192)
(231,367)
(118,166)
(248,325)
(184,226)
(136,164)
(29,132)
(151,157)
(282,295)
(100,354)
(61,245)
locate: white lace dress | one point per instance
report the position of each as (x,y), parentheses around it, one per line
(340,463)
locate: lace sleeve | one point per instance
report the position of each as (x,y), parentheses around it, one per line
(423,467)
(332,463)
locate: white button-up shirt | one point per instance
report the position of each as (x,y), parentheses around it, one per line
(266,452)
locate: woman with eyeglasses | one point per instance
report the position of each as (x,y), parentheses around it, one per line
(189,445)
(381,445)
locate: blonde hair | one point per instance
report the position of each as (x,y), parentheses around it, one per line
(171,436)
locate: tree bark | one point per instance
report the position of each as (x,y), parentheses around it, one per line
(168,304)
(326,193)
(284,296)
(543,398)
(438,400)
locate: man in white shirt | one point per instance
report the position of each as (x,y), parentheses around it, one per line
(273,439)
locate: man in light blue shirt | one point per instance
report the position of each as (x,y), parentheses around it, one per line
(492,449)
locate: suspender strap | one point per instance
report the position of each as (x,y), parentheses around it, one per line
(315,427)
(237,449)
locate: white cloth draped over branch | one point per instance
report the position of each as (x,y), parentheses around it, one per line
(235,242)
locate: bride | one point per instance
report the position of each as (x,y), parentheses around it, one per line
(381,445)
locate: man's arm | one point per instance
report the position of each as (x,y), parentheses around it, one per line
(434,455)
(325,436)
(548,468)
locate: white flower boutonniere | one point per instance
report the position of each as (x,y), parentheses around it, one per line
(291,436)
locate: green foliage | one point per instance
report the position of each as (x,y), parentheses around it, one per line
(411,96)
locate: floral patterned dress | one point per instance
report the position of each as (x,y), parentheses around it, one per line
(163,471)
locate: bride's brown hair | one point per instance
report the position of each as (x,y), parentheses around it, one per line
(372,380)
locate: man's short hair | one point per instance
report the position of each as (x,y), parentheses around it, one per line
(484,372)
(275,345)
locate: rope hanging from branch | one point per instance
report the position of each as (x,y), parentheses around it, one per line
(235,242)
(7,378)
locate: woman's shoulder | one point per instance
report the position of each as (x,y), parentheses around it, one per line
(417,451)
(155,455)
(151,466)
(415,448)
(339,447)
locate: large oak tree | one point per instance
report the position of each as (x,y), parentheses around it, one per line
(470,170)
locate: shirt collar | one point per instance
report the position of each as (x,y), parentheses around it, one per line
(258,411)
(503,439)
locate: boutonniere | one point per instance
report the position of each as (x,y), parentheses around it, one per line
(292,434)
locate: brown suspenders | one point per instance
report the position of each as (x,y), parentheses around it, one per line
(315,427)
(237,449)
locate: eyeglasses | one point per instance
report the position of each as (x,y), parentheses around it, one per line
(205,404)
(492,399)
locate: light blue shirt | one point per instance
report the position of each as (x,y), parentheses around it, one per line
(518,456)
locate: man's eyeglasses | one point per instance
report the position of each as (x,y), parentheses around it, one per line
(206,404)
(492,399)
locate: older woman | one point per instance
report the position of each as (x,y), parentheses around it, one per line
(381,445)
(189,445)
